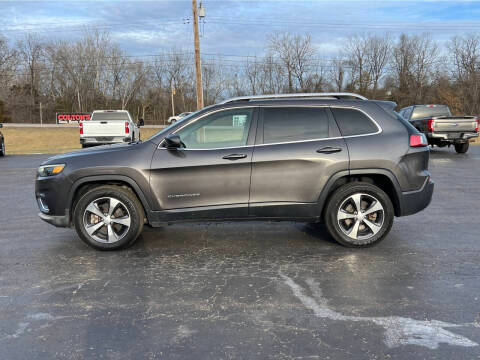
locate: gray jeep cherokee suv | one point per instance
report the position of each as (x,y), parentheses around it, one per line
(332,157)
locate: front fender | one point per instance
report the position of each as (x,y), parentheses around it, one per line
(102,179)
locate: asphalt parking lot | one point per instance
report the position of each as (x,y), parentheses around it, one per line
(245,290)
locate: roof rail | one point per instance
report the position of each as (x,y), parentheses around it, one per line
(334,95)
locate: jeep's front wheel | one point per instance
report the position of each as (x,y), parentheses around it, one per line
(359,214)
(109,217)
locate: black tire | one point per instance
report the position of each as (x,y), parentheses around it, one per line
(84,146)
(462,148)
(369,192)
(2,148)
(129,204)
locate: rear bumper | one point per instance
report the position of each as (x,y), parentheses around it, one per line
(104,140)
(58,221)
(453,136)
(415,201)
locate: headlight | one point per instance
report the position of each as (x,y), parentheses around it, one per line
(50,170)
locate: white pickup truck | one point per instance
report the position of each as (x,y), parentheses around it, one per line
(109,127)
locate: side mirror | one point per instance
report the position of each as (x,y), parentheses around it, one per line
(173,141)
(141,122)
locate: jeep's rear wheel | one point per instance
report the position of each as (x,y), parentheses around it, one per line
(462,148)
(2,148)
(359,214)
(109,217)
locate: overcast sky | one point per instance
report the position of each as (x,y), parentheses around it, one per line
(235,27)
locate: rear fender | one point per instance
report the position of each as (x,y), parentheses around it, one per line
(336,180)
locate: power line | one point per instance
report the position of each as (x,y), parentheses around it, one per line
(275,22)
(253,22)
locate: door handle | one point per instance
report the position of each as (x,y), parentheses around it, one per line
(234,156)
(328,150)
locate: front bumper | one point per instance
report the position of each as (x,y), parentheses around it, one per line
(415,201)
(58,221)
(52,194)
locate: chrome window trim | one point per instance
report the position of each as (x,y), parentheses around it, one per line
(379,131)
(223,148)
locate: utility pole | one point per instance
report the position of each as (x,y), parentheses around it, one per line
(41,114)
(198,65)
(173,106)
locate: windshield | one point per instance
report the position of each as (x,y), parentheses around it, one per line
(110,116)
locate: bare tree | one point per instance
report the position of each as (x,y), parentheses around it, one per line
(465,55)
(8,64)
(337,74)
(252,71)
(426,59)
(31,51)
(414,58)
(93,72)
(134,78)
(377,56)
(356,50)
(214,82)
(295,52)
(272,77)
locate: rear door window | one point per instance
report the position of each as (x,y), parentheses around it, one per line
(353,122)
(286,124)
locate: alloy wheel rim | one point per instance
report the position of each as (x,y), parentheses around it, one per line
(106,220)
(360,216)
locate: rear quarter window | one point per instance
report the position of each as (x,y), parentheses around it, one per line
(353,122)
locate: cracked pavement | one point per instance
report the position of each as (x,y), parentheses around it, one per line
(249,290)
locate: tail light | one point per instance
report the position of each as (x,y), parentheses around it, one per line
(418,140)
(127,129)
(431,124)
(476,128)
(81,128)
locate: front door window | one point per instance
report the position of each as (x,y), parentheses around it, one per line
(228,128)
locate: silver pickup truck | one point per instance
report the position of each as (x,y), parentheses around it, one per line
(109,127)
(440,127)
